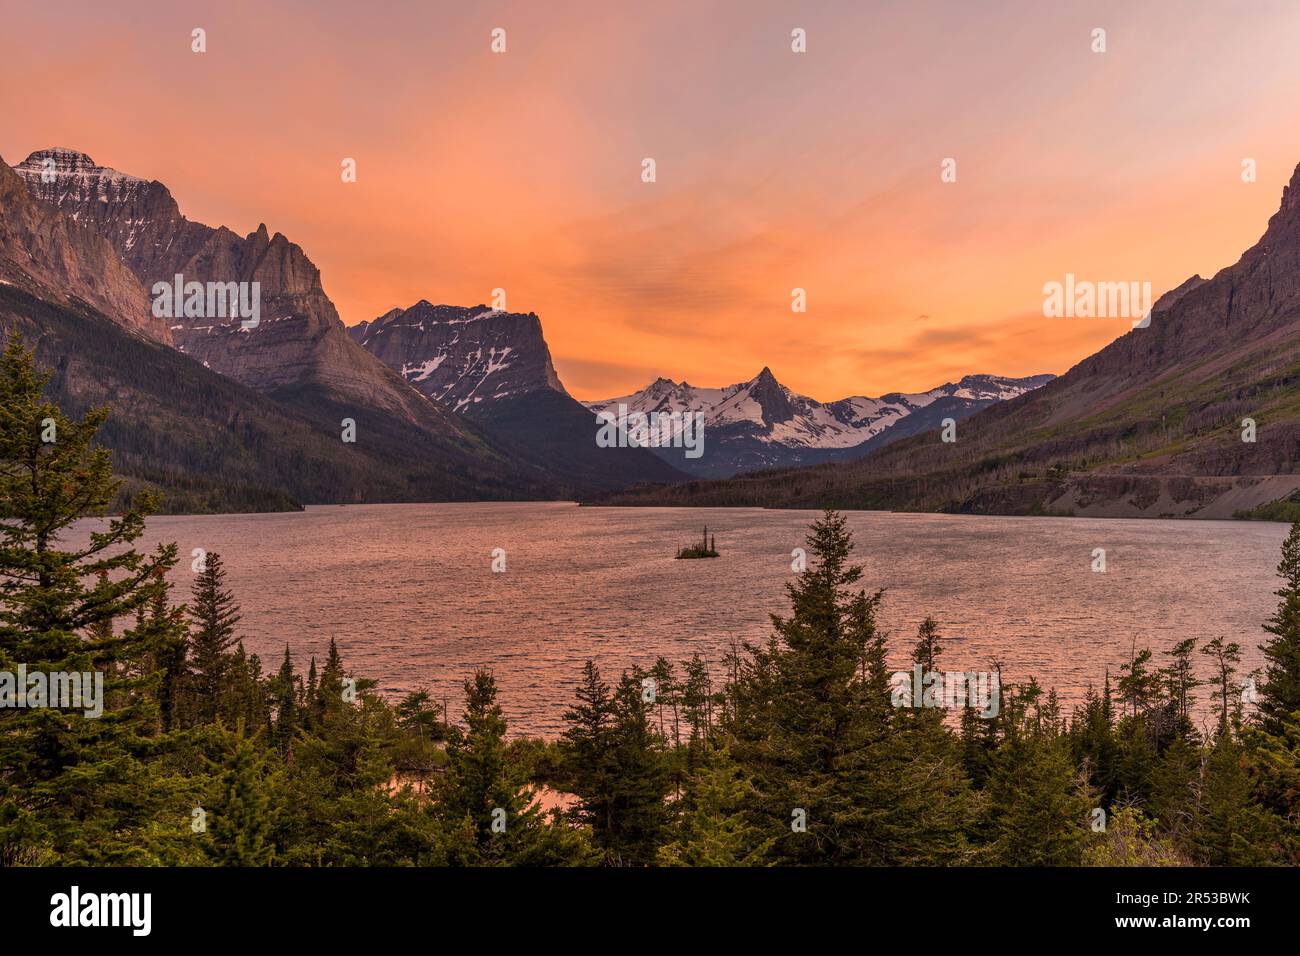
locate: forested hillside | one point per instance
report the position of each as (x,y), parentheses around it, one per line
(798,751)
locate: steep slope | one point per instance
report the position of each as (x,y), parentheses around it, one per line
(1152,425)
(208,442)
(495,368)
(462,357)
(763,424)
(300,353)
(48,255)
(300,341)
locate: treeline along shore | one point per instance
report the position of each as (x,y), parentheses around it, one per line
(803,749)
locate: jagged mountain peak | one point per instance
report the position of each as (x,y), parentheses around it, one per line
(1166,301)
(299,341)
(86,191)
(762,423)
(777,404)
(1290,198)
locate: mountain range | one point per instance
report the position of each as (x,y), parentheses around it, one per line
(74,269)
(1196,415)
(762,424)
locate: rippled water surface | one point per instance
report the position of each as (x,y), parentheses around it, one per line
(408,590)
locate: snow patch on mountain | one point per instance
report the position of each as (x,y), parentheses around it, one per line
(462,356)
(764,409)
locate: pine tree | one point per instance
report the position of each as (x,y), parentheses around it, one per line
(1226,656)
(1180,677)
(666,696)
(1092,744)
(873,675)
(1138,686)
(285,693)
(248,691)
(618,768)
(242,820)
(1038,808)
(74,788)
(480,786)
(1173,788)
(587,745)
(314,709)
(640,777)
(1231,830)
(213,616)
(1275,759)
(928,647)
(328,700)
(167,653)
(714,829)
(697,708)
(1279,693)
(832,768)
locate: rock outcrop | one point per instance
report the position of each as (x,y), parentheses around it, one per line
(494,368)
(56,258)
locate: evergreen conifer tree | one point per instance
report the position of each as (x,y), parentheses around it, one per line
(73,788)
(1279,692)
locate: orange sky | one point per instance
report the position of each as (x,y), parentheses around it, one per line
(775,170)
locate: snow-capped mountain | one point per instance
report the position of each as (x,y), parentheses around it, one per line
(494,368)
(762,424)
(462,356)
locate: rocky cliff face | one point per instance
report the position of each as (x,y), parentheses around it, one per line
(763,424)
(58,259)
(102,238)
(300,341)
(462,356)
(495,369)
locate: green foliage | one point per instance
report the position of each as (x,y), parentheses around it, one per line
(73,788)
(213,617)
(811,727)
(1038,808)
(1279,693)
(615,763)
(713,827)
(1132,840)
(1230,828)
(798,757)
(241,821)
(487,795)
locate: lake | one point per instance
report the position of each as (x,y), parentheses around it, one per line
(409,593)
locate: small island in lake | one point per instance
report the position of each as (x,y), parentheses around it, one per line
(705,549)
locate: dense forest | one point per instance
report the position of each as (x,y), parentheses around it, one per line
(214,445)
(795,753)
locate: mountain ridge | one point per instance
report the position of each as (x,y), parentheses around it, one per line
(56,238)
(1155,424)
(761,423)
